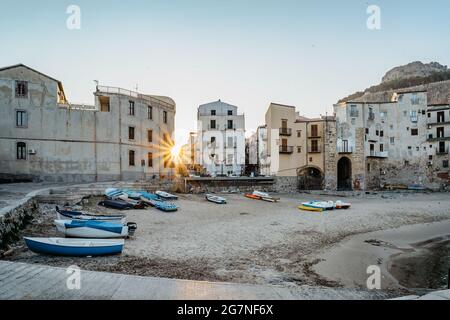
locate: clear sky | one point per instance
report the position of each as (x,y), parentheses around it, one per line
(246,52)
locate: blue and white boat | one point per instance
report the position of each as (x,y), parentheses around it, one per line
(324,205)
(216,199)
(163,205)
(94,229)
(78,215)
(75,247)
(166,195)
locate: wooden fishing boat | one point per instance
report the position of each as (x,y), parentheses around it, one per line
(265,196)
(75,247)
(310,208)
(78,215)
(94,229)
(166,195)
(342,205)
(215,199)
(116,204)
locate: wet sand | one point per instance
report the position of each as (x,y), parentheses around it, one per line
(411,257)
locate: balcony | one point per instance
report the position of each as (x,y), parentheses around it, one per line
(286,149)
(378,154)
(314,149)
(432,138)
(442,151)
(345,149)
(437,122)
(285,131)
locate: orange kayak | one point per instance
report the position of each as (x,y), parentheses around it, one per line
(252,196)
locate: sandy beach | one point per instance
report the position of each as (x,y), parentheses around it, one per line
(252,241)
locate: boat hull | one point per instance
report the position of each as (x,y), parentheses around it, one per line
(64,216)
(73,251)
(88,232)
(305,208)
(216,199)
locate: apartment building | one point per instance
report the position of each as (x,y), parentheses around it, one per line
(220,139)
(125,135)
(295,145)
(389,142)
(438,139)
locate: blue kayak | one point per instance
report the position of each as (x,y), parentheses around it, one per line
(74,247)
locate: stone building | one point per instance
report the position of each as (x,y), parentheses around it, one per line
(124,136)
(386,143)
(296,145)
(220,139)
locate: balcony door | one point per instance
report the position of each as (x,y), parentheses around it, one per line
(283,124)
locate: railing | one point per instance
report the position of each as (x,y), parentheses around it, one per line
(432,138)
(285,131)
(441,151)
(133,94)
(286,149)
(317,149)
(345,149)
(378,154)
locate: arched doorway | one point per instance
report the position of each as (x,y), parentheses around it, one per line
(310,178)
(344,174)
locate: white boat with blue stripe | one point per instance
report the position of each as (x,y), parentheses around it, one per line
(94,229)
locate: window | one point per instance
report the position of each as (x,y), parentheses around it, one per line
(165,116)
(131,133)
(212,124)
(314,146)
(104,104)
(353,121)
(368,167)
(414,99)
(299,149)
(429,115)
(413,116)
(440,116)
(299,133)
(414,132)
(381,133)
(213,112)
(310,159)
(21,89)
(383,115)
(377,133)
(440,132)
(21,151)
(381,147)
(406,163)
(230,112)
(131,157)
(391,140)
(353,111)
(430,157)
(314,130)
(229,159)
(131,108)
(367,130)
(230,142)
(150,159)
(230,124)
(150,112)
(21,119)
(150,135)
(445,163)
(213,140)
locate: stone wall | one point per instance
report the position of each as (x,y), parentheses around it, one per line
(330,169)
(14,219)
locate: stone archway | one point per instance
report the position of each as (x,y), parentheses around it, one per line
(310,178)
(344,174)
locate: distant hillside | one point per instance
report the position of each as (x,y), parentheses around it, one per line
(411,75)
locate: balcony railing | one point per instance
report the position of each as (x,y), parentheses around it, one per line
(286,149)
(378,154)
(442,151)
(345,149)
(433,138)
(285,131)
(437,122)
(317,149)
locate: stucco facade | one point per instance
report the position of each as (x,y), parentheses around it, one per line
(220,138)
(43,137)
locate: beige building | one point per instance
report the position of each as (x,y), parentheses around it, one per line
(125,136)
(295,145)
